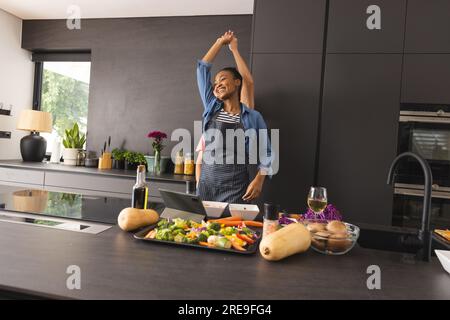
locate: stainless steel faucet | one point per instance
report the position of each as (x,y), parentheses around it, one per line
(424,252)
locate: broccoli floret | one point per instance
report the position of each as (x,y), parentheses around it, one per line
(180,223)
(179,238)
(177,231)
(162,234)
(214,226)
(202,237)
(228,231)
(163,224)
(192,241)
(206,233)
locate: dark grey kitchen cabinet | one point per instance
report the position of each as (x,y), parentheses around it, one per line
(426,78)
(287,88)
(359,133)
(348,30)
(289,26)
(428,26)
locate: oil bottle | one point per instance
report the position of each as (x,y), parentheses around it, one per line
(140,190)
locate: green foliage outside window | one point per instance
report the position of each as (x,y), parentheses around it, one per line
(66,99)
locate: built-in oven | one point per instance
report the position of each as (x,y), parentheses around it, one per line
(425,130)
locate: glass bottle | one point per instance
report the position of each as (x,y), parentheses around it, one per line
(140,190)
(270,223)
(189,165)
(179,163)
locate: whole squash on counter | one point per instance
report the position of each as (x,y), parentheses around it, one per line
(292,239)
(131,218)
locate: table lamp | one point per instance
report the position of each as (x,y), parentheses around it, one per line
(33,146)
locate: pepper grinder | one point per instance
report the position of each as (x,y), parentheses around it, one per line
(270,223)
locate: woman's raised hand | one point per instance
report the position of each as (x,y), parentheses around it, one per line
(226,37)
(233,44)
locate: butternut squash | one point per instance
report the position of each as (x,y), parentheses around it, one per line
(131,218)
(292,239)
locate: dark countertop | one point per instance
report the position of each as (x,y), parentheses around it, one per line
(45,166)
(114,265)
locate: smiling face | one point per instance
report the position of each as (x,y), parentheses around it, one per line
(225,85)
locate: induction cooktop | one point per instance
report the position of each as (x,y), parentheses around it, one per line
(66,205)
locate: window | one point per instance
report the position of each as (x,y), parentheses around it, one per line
(63,91)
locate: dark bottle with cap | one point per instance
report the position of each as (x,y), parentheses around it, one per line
(270,223)
(140,190)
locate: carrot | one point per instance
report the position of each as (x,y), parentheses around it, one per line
(236,246)
(245,238)
(205,244)
(151,234)
(227,219)
(253,224)
(230,223)
(238,223)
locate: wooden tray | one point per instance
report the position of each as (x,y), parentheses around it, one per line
(440,239)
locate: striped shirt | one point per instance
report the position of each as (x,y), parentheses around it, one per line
(224,116)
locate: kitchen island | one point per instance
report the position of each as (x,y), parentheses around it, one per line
(114,265)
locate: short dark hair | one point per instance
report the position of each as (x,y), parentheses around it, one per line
(234,71)
(236,75)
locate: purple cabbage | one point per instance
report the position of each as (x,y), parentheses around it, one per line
(199,229)
(329,213)
(284,220)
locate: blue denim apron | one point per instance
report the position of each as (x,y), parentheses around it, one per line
(225,182)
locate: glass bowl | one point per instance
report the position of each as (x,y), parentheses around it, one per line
(331,243)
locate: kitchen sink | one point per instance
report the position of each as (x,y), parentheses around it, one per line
(391,238)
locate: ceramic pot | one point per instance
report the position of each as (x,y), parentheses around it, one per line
(70,156)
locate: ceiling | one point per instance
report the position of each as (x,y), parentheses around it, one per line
(57,9)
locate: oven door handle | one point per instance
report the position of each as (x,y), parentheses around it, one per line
(419,193)
(424,119)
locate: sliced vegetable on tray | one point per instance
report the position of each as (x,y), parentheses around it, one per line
(212,234)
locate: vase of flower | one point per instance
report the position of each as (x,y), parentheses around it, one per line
(157,162)
(157,146)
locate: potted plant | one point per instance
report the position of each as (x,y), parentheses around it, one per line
(118,158)
(133,159)
(73,142)
(157,146)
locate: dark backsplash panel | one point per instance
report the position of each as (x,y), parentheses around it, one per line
(142,70)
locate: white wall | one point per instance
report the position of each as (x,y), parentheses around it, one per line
(16,81)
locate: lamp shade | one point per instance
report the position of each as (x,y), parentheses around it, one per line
(32,120)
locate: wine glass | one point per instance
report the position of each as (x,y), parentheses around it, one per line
(317,199)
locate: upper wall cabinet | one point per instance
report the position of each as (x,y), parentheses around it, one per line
(428,26)
(426,78)
(289,26)
(366,26)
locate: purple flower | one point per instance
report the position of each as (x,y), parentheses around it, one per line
(158,135)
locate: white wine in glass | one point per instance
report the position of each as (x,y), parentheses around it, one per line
(317,199)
